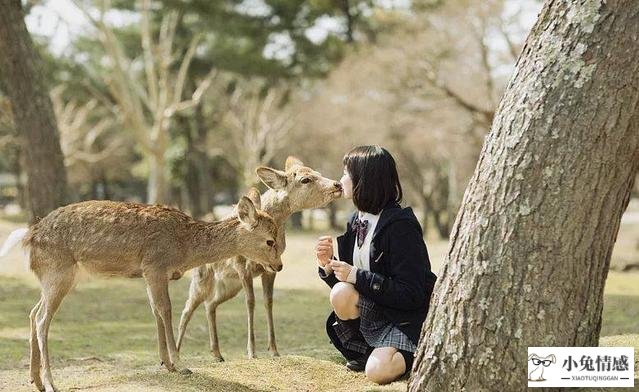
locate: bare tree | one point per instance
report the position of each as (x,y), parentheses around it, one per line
(530,248)
(148,101)
(427,89)
(23,82)
(258,124)
(93,150)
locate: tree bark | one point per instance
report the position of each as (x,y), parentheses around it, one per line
(17,172)
(530,248)
(158,185)
(22,74)
(332,217)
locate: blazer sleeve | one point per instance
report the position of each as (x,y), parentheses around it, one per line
(405,287)
(330,279)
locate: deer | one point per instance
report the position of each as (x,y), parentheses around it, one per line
(296,188)
(132,240)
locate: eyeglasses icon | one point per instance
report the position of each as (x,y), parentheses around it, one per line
(545,362)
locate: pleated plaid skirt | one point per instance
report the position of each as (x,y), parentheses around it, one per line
(376,330)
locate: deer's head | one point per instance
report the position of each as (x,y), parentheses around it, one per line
(258,233)
(305,187)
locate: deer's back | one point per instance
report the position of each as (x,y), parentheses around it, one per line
(107,234)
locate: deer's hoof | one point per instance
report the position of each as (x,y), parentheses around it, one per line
(50,388)
(37,384)
(275,354)
(185,372)
(218,358)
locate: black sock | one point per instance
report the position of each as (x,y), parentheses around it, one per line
(352,323)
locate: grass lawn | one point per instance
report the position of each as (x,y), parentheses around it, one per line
(103,336)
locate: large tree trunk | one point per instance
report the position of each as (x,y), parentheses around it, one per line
(531,245)
(202,163)
(158,185)
(21,71)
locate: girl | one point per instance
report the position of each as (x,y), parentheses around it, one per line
(381,284)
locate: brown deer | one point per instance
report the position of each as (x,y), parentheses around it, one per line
(134,240)
(296,188)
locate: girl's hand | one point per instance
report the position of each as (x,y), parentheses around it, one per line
(341,269)
(324,250)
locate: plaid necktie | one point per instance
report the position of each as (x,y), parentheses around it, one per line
(361,228)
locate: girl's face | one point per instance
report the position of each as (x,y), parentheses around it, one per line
(347,184)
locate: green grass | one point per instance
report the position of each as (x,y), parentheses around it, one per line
(103,337)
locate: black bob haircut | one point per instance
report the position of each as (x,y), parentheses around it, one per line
(375,178)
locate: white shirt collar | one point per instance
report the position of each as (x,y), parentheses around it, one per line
(368,216)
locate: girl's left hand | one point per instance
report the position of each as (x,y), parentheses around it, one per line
(340,269)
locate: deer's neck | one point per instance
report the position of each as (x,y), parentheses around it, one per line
(211,242)
(276,204)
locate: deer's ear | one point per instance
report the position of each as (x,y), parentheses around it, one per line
(292,161)
(255,197)
(272,178)
(246,211)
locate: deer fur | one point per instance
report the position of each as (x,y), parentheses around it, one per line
(296,188)
(134,240)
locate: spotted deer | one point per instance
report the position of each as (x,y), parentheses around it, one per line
(296,188)
(132,240)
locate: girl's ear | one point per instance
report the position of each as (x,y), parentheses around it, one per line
(272,178)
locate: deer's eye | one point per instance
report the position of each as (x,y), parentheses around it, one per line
(270,243)
(305,180)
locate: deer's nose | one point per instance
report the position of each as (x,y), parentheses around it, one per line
(338,185)
(279,267)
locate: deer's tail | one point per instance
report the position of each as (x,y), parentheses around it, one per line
(15,237)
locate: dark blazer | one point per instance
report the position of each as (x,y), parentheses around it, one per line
(400,280)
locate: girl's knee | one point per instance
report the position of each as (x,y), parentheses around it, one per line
(385,366)
(343,296)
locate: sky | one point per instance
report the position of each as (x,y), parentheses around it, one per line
(61,20)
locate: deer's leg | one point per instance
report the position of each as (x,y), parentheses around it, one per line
(35,350)
(55,286)
(247,283)
(158,287)
(162,350)
(268,280)
(196,297)
(211,308)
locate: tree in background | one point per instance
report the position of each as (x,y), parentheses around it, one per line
(270,42)
(426,90)
(95,153)
(530,249)
(11,158)
(148,100)
(23,82)
(256,126)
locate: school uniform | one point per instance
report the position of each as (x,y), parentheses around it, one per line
(393,278)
